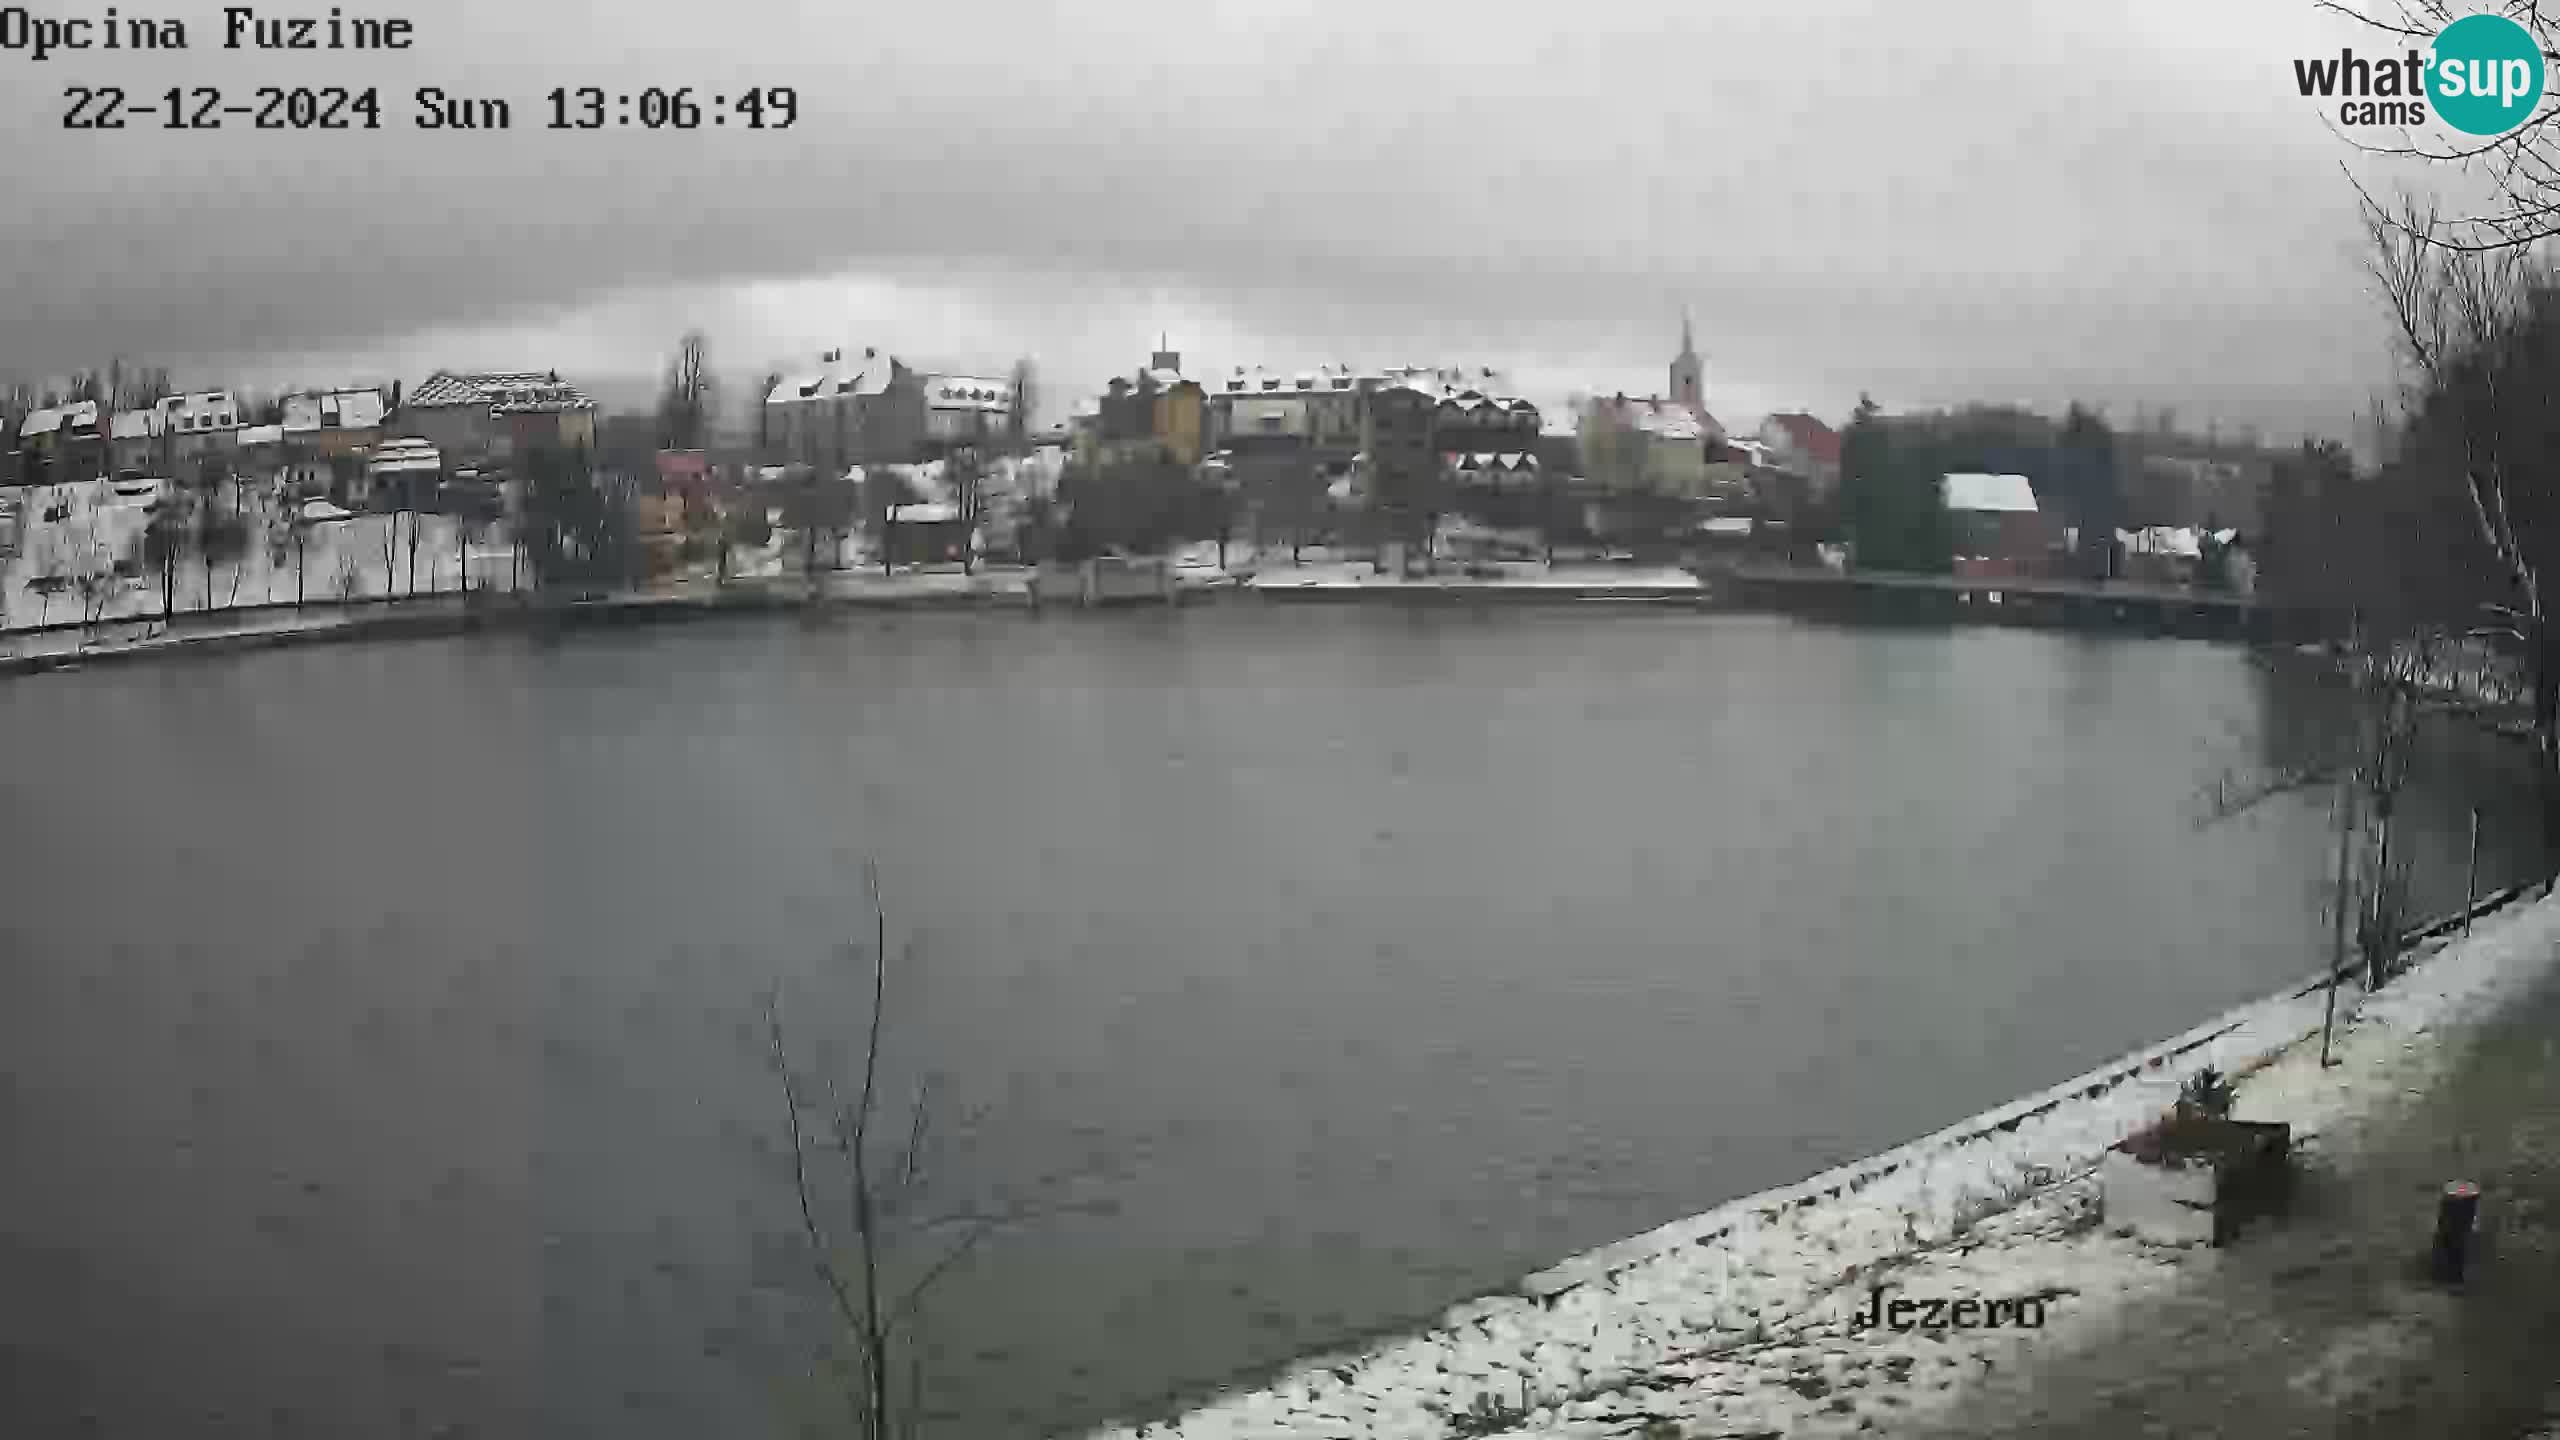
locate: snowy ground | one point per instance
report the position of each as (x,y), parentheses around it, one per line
(337,561)
(1738,1322)
(1279,574)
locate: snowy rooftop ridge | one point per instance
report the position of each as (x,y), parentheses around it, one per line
(333,409)
(2004,494)
(517,390)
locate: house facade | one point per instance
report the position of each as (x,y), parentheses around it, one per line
(137,440)
(199,424)
(63,443)
(1799,442)
(1157,414)
(334,422)
(499,415)
(816,417)
(2000,529)
(879,410)
(1651,445)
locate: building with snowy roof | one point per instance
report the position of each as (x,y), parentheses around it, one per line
(499,415)
(1156,414)
(334,422)
(877,409)
(1800,443)
(2000,529)
(61,443)
(135,438)
(199,423)
(1649,444)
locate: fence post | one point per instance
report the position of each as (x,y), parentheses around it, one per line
(2456,1212)
(2471,874)
(2338,938)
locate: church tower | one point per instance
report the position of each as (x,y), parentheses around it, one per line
(1688,372)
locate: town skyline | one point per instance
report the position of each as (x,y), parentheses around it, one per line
(1961,224)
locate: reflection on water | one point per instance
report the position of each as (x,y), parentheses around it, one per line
(385,1026)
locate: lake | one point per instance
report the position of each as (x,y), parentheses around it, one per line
(387,1027)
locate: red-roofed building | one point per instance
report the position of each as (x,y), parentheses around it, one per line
(684,472)
(1798,442)
(499,415)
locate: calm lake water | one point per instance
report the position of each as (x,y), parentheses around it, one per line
(385,1028)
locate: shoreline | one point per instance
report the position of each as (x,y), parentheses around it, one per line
(241,629)
(1733,1308)
(281,624)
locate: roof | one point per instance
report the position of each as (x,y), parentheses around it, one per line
(404,457)
(1677,426)
(507,391)
(930,512)
(206,406)
(136,424)
(2162,540)
(2008,494)
(60,417)
(261,434)
(1817,440)
(967,392)
(334,410)
(1725,525)
(837,373)
(1670,419)
(1489,460)
(1322,380)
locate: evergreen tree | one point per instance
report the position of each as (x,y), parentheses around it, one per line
(1893,495)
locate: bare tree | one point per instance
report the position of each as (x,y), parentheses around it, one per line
(966,470)
(2519,171)
(2480,331)
(1018,416)
(390,534)
(284,542)
(95,576)
(684,406)
(417,530)
(165,541)
(899,1246)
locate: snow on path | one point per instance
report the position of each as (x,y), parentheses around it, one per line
(1340,574)
(1739,1321)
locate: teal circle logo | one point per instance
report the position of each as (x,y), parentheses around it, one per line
(2486,76)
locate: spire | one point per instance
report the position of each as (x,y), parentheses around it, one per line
(1687,346)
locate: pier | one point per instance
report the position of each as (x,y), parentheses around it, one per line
(2122,605)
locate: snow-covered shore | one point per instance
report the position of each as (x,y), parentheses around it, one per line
(1345,575)
(1739,1321)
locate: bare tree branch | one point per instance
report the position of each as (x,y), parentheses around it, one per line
(820,1254)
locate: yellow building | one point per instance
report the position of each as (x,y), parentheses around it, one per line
(1160,414)
(1650,445)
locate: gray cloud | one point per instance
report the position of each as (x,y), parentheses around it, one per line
(2002,198)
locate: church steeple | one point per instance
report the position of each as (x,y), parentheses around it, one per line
(1688,372)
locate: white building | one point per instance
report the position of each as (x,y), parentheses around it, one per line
(200,422)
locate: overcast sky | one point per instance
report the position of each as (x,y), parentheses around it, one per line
(2007,199)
